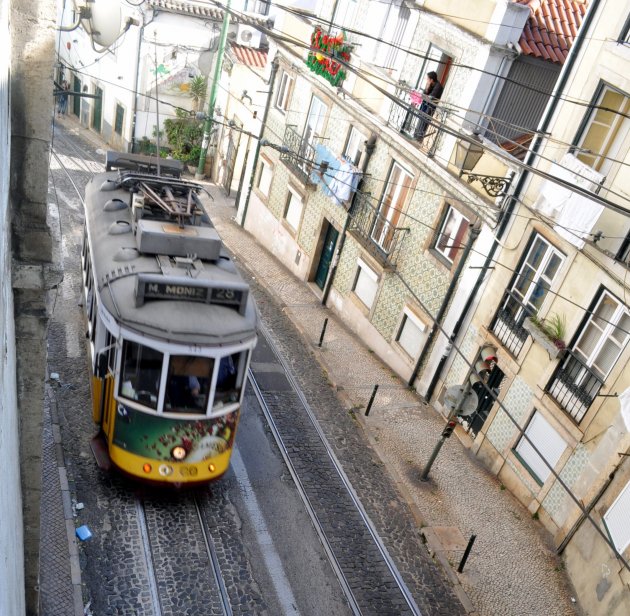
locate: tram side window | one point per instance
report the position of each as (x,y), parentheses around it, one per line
(141,370)
(188,384)
(229,379)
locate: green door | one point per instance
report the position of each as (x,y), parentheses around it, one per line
(328,249)
(98,110)
(76,100)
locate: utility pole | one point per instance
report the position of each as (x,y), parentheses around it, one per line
(207,128)
(274,69)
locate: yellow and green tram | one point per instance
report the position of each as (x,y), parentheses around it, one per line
(171,325)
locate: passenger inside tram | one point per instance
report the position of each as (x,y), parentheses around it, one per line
(188,384)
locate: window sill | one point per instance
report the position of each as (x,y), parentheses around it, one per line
(539,337)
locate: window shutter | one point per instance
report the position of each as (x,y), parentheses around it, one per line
(547,441)
(617,520)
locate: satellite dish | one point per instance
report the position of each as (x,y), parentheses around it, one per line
(102,20)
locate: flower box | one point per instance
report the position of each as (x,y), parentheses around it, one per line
(543,340)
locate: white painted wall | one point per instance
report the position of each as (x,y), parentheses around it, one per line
(11,531)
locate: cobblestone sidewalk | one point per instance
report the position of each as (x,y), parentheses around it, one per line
(512,569)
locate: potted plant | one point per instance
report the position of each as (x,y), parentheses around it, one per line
(549,333)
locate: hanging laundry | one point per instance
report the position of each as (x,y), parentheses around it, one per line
(345,181)
(415,97)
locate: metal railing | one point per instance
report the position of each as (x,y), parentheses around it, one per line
(574,386)
(379,235)
(422,126)
(507,327)
(300,156)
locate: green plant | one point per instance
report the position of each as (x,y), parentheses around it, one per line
(554,327)
(184,134)
(197,89)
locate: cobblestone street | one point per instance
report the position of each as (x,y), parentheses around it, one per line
(512,569)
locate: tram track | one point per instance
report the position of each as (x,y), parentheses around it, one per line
(359,601)
(183,570)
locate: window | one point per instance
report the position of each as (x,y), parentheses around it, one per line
(355,146)
(141,369)
(391,206)
(119,120)
(188,384)
(261,7)
(616,520)
(603,133)
(284,91)
(604,335)
(547,440)
(527,292)
(265,177)
(411,333)
(230,379)
(449,239)
(317,113)
(599,344)
(365,283)
(438,61)
(344,14)
(293,211)
(624,35)
(394,32)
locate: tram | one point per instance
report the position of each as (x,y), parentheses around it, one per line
(170,322)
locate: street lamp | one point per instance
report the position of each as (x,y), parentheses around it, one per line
(467,154)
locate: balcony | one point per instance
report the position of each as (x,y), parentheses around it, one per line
(423,127)
(508,324)
(574,386)
(300,154)
(377,234)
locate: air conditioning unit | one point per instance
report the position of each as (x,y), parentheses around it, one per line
(248,36)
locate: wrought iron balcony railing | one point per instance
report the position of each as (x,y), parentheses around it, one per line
(574,386)
(300,154)
(507,325)
(423,126)
(378,235)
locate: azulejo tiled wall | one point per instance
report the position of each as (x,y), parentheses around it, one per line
(518,400)
(557,499)
(459,367)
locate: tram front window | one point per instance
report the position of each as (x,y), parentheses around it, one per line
(141,370)
(188,384)
(229,379)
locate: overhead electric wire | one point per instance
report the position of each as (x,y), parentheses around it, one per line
(422,56)
(505,157)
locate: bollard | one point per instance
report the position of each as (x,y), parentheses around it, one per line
(460,569)
(321,337)
(369,406)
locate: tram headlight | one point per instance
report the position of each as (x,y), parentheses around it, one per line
(179,452)
(146,467)
(211,468)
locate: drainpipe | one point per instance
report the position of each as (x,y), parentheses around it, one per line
(472,236)
(509,208)
(275,63)
(370,145)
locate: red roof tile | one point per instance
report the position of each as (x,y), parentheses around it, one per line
(255,58)
(551,28)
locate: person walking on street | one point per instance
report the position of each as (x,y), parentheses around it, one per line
(62,106)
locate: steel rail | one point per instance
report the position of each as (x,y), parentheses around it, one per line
(214,561)
(339,469)
(148,557)
(343,582)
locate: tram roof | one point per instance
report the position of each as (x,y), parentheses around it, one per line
(137,288)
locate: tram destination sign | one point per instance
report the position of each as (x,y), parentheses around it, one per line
(218,292)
